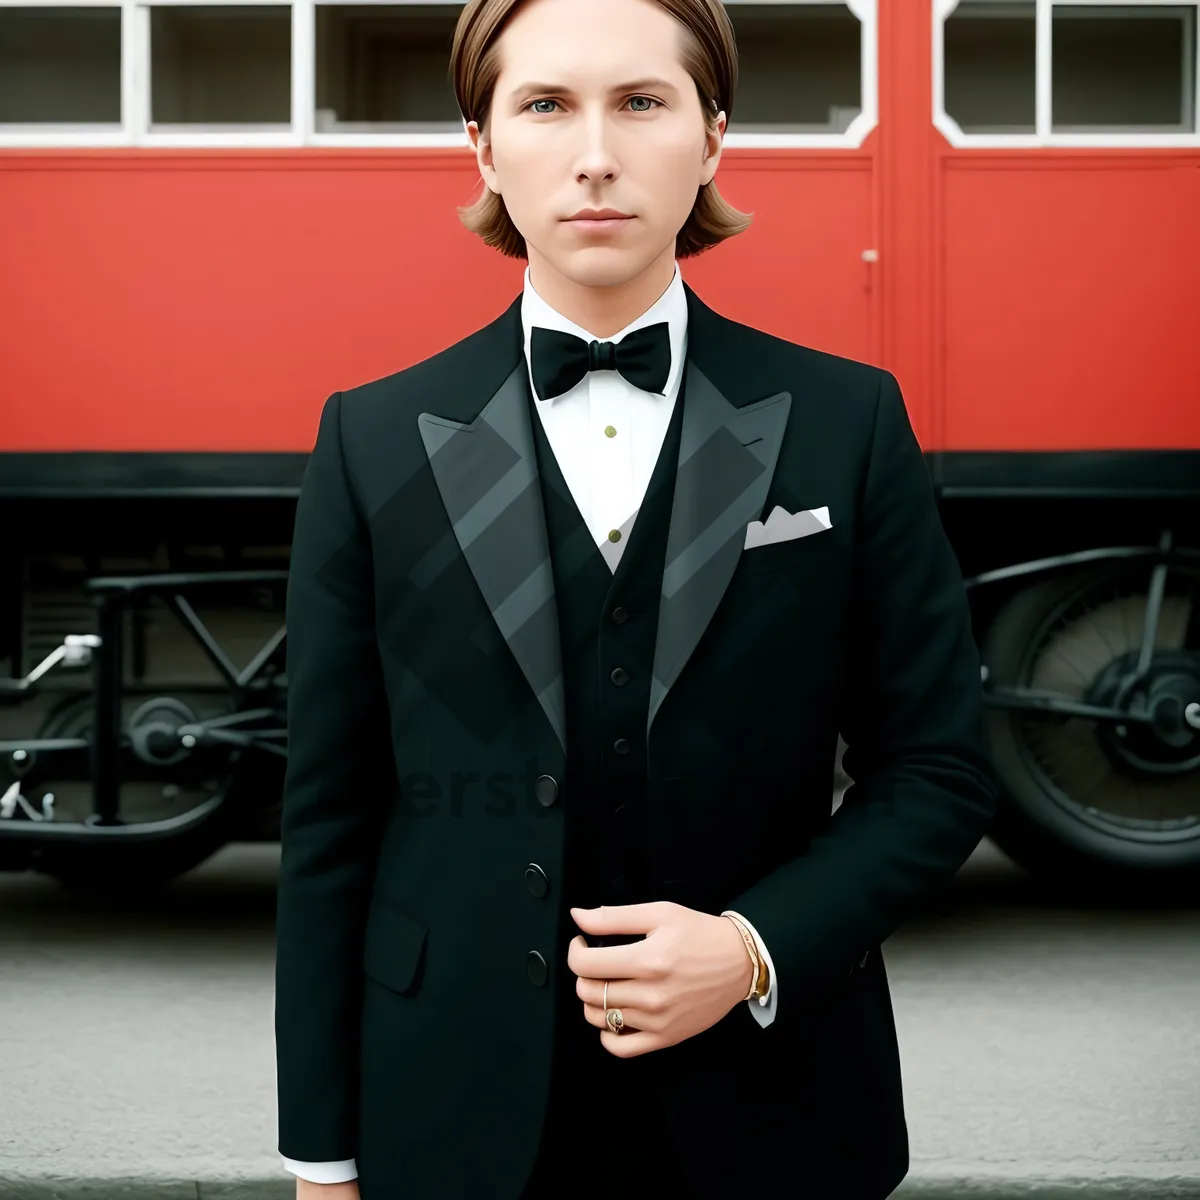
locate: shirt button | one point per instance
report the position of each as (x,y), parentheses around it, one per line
(621,745)
(545,787)
(619,615)
(609,431)
(619,676)
(614,535)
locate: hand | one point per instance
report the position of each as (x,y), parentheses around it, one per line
(688,971)
(306,1190)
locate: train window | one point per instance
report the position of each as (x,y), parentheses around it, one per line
(383,68)
(800,68)
(1067,72)
(220,65)
(358,72)
(990,61)
(60,65)
(1124,69)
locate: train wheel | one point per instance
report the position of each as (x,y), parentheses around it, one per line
(1093,804)
(134,870)
(167,791)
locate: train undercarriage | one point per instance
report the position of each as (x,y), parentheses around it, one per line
(143,683)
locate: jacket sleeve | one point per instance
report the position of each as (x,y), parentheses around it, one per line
(923,790)
(338,769)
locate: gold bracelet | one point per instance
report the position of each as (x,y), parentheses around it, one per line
(762,972)
(752,950)
(763,983)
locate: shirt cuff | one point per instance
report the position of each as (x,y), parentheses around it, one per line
(762,1009)
(323,1172)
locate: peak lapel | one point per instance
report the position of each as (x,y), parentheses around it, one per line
(486,472)
(727,458)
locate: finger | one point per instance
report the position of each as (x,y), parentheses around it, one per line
(577,946)
(591,991)
(622,993)
(635,1020)
(634,960)
(630,1045)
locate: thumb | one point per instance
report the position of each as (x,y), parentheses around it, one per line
(593,920)
(617,918)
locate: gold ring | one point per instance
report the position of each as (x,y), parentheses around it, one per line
(612,1016)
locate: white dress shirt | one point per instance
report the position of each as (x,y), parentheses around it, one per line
(606,435)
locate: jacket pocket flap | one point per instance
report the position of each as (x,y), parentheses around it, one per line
(393,945)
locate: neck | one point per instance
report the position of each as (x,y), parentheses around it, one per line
(601,310)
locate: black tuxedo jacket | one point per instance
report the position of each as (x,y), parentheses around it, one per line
(427,753)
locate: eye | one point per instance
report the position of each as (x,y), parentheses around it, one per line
(640,104)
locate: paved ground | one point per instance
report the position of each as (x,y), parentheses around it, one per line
(1048,1052)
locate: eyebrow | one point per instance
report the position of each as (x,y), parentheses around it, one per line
(650,83)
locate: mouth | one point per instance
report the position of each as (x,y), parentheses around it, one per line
(606,218)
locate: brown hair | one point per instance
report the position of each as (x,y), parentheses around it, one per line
(710,57)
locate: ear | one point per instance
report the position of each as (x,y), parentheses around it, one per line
(483,155)
(714,140)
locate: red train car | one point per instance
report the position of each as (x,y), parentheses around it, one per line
(212,215)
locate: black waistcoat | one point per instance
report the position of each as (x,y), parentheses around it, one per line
(607,623)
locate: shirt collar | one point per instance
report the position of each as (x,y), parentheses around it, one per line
(671,307)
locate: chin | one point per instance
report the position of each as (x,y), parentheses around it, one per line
(603,266)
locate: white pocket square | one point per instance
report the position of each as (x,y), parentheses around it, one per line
(783,526)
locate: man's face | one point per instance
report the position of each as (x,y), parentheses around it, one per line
(593,109)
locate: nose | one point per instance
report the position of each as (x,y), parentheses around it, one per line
(596,159)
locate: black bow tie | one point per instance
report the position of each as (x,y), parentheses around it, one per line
(560,360)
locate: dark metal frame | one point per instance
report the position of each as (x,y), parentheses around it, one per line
(256,475)
(112,595)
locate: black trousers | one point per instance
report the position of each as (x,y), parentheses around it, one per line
(605,1134)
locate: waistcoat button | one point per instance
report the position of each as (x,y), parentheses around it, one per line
(619,676)
(536,881)
(619,615)
(621,745)
(545,788)
(535,965)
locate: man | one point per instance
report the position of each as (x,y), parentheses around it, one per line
(563,909)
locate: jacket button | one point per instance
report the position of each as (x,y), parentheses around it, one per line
(535,965)
(619,676)
(545,788)
(536,881)
(619,615)
(621,745)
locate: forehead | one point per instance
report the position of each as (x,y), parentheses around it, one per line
(588,41)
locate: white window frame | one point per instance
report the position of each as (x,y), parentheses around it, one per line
(1043,134)
(134,128)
